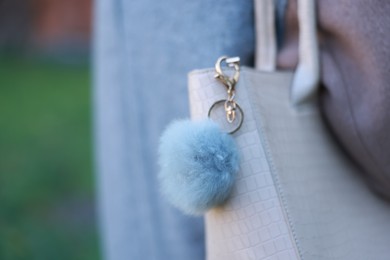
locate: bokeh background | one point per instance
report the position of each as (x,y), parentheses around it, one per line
(47,205)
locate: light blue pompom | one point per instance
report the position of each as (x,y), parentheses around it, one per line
(198,165)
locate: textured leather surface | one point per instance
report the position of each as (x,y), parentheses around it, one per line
(251,225)
(297,196)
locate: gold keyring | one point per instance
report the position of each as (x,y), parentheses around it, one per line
(239,109)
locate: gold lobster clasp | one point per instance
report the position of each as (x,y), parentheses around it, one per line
(229,82)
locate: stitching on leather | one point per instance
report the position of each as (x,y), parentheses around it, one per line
(275,177)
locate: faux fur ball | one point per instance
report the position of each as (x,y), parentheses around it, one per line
(198,165)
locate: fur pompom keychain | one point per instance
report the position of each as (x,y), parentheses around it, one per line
(198,160)
(198,165)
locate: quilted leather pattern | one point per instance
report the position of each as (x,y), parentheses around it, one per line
(297,196)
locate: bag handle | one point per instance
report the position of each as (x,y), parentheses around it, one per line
(305,82)
(265,35)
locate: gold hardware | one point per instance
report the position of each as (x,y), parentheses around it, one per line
(232,109)
(229,82)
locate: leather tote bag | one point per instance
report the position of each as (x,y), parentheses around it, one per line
(297,195)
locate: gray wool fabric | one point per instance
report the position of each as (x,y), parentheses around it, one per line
(143,52)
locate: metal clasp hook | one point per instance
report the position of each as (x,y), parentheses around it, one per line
(229,82)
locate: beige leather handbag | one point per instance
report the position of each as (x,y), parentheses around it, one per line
(297,196)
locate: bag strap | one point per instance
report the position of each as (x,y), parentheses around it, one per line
(306,78)
(265,35)
(305,82)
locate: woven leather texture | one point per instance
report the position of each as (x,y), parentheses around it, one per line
(297,196)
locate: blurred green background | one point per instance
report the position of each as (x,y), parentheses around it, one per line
(46,184)
(47,205)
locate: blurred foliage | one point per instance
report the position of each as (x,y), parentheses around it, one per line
(46,185)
